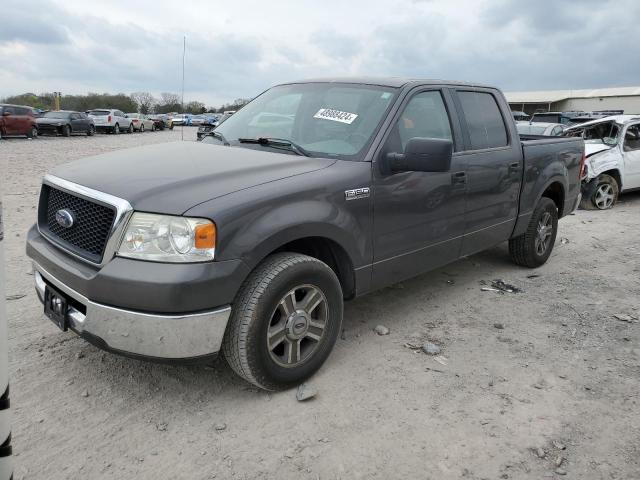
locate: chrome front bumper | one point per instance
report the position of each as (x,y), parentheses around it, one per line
(160,337)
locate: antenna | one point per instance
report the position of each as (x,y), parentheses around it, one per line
(184,52)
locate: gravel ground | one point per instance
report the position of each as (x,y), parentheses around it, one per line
(539,384)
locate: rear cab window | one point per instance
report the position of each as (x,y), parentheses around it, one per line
(485,123)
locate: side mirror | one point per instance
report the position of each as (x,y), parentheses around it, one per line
(422,155)
(6,114)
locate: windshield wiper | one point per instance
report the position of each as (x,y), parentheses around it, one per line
(219,136)
(277,143)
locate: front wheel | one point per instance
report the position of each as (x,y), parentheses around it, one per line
(91,131)
(130,129)
(66,131)
(601,193)
(285,321)
(532,248)
(33,133)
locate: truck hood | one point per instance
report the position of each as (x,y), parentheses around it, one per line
(174,177)
(593,148)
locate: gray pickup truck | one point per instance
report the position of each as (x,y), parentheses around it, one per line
(248,242)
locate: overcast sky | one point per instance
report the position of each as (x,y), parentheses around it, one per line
(238,48)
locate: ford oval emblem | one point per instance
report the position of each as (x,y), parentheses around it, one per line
(65,218)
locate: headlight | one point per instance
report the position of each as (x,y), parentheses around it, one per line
(165,238)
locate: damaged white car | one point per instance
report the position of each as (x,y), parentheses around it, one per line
(612,166)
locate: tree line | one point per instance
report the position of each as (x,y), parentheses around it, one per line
(142,102)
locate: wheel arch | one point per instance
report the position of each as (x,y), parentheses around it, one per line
(320,246)
(555,190)
(615,174)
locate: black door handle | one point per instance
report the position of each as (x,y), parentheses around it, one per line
(514,166)
(459,177)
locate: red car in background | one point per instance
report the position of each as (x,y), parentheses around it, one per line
(17,120)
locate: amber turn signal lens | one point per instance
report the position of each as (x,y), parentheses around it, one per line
(205,236)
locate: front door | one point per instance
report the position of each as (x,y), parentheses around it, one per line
(494,171)
(418,216)
(631,155)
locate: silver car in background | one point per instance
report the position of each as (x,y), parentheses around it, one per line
(141,122)
(540,128)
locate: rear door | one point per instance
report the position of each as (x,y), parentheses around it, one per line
(77,124)
(418,216)
(23,120)
(494,167)
(631,156)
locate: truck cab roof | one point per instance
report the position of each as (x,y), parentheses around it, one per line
(393,82)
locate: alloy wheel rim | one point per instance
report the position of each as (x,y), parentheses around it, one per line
(543,233)
(604,196)
(297,326)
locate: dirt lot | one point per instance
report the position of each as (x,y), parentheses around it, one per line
(559,380)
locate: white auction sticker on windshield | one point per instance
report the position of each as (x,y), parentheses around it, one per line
(336,115)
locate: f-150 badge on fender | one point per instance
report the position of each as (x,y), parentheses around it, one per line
(356,193)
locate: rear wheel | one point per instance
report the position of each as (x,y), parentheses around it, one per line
(116,129)
(142,128)
(602,193)
(33,133)
(91,131)
(153,127)
(532,248)
(130,129)
(285,321)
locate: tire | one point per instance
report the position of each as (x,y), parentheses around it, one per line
(33,133)
(530,249)
(91,131)
(171,127)
(116,129)
(142,128)
(601,193)
(277,286)
(66,131)
(130,129)
(153,127)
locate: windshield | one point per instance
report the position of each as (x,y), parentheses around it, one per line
(56,115)
(605,133)
(325,119)
(99,113)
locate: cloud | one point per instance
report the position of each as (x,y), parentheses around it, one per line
(238,50)
(24,21)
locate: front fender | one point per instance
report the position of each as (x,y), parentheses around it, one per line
(252,223)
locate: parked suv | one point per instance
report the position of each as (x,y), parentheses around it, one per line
(17,120)
(248,242)
(111,121)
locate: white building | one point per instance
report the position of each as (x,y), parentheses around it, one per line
(619,98)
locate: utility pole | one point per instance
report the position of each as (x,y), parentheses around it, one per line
(56,100)
(184,53)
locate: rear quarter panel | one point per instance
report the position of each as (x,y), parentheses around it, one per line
(547,161)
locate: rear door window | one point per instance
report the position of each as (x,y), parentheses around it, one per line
(484,121)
